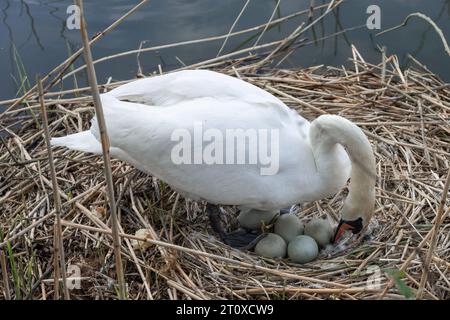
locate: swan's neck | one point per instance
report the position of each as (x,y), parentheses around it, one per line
(326,133)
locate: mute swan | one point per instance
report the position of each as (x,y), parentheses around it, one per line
(150,120)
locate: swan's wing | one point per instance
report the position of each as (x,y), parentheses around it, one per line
(173,88)
(146,135)
(176,88)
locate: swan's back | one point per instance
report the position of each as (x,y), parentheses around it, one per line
(182,86)
(142,116)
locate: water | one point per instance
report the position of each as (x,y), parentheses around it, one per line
(33,34)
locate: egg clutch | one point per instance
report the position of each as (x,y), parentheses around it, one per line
(290,236)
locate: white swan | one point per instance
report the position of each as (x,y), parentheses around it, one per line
(142,116)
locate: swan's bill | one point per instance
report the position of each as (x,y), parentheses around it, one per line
(355,226)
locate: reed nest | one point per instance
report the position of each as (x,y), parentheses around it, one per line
(406,116)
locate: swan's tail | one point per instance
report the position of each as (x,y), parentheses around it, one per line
(82,141)
(86,141)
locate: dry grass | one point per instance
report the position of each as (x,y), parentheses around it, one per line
(406,118)
(405,114)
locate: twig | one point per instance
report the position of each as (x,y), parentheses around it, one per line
(232,27)
(5,274)
(59,255)
(383,61)
(268,23)
(435,232)
(426,18)
(105,150)
(299,31)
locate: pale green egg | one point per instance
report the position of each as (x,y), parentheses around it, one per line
(320,230)
(271,246)
(303,249)
(288,226)
(254,219)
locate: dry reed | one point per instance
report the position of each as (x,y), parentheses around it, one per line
(405,252)
(406,117)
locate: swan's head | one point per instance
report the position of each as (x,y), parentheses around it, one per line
(356,214)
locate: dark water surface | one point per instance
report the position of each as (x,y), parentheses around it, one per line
(34,37)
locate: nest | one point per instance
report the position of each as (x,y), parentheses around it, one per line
(405,114)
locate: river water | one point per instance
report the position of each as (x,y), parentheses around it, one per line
(34,37)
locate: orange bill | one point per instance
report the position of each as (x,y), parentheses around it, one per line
(342,227)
